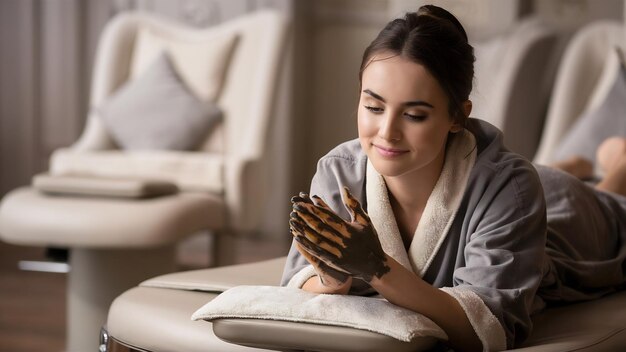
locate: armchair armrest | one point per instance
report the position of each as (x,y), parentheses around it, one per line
(245,175)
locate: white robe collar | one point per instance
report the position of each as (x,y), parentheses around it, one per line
(438,215)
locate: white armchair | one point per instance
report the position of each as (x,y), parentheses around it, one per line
(514,73)
(117,241)
(230,161)
(584,77)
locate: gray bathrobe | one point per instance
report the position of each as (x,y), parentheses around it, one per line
(499,235)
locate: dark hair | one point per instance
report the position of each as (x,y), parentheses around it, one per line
(434,38)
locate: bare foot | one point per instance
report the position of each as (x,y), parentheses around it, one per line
(615,178)
(609,153)
(576,166)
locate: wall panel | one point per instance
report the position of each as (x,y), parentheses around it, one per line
(19,92)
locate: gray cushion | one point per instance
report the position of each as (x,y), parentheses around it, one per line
(596,125)
(156,111)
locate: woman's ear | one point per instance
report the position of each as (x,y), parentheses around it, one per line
(458,125)
(467,108)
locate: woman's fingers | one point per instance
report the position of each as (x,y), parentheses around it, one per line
(322,212)
(301,197)
(320,202)
(307,255)
(321,241)
(354,207)
(318,252)
(322,263)
(316,206)
(313,242)
(328,236)
(322,221)
(328,276)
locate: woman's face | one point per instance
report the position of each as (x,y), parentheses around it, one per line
(403,117)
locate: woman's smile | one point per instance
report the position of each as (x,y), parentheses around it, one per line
(388,152)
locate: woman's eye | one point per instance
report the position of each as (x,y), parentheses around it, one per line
(374,109)
(416,118)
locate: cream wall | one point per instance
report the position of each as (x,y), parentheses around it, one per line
(337,33)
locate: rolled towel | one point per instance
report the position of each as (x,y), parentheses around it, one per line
(295,305)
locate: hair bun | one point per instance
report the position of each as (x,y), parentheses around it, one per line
(442,14)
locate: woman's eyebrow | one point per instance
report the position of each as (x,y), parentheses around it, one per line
(418,103)
(408,103)
(374,95)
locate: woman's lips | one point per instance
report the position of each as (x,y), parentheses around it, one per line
(389,152)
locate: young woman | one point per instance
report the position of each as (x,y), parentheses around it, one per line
(430,210)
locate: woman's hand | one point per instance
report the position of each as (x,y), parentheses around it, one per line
(347,247)
(335,281)
(332,280)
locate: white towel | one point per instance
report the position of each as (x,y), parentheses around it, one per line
(292,304)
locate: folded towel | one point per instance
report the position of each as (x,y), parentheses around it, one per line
(292,304)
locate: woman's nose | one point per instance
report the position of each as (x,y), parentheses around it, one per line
(389,128)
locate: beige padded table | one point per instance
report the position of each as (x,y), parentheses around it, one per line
(156,316)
